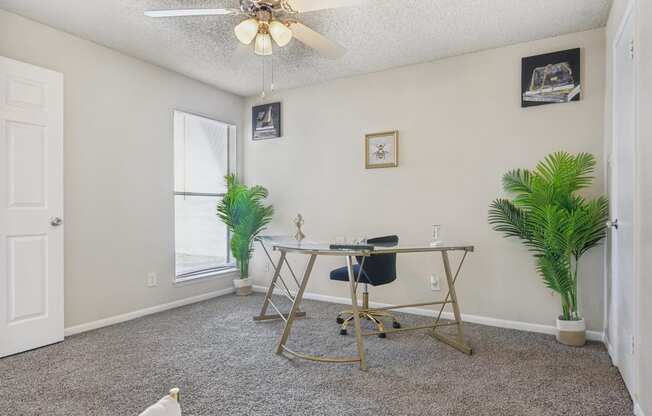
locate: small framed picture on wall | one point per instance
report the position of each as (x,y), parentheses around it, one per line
(266,121)
(381,150)
(551,78)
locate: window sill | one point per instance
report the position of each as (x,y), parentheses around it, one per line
(230,272)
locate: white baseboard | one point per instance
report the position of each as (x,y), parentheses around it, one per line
(476,319)
(144,312)
(637,410)
(610,350)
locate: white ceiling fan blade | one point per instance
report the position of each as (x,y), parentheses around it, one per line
(191,12)
(319,42)
(311,5)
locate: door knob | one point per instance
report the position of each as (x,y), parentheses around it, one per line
(56,221)
(613,224)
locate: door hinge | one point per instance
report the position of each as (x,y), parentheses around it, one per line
(631,49)
(633,345)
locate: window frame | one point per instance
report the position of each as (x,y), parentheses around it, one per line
(232,167)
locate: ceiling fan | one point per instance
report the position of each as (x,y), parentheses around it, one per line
(275,20)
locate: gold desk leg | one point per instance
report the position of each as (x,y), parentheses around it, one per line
(356,315)
(272,285)
(453,343)
(276,316)
(460,343)
(297,300)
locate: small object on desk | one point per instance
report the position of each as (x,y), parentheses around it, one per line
(435,235)
(298,221)
(351,247)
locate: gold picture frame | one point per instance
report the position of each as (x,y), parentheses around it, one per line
(385,153)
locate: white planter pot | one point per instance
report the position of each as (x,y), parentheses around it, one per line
(242,287)
(571,333)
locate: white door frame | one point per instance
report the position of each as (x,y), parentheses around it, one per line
(630,13)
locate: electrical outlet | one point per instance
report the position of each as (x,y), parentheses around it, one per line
(152,279)
(434,283)
(267,266)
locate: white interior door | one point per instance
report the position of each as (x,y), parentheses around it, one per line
(31,207)
(622,197)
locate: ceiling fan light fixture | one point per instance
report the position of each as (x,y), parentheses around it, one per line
(246,30)
(263,45)
(281,34)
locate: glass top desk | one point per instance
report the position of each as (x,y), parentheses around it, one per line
(287,245)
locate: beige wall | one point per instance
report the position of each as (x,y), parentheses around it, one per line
(118,168)
(461,127)
(643,42)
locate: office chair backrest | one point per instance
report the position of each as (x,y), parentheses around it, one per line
(381,268)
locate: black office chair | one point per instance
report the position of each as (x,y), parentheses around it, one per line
(377,270)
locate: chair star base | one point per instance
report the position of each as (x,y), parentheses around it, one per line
(345,318)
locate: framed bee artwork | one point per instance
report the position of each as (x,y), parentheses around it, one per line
(381,150)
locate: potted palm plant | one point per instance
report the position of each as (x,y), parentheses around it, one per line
(557,225)
(245,215)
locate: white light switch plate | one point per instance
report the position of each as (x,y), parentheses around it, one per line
(152,279)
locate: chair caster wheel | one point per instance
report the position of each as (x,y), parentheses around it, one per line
(396,324)
(343,332)
(382,335)
(339,320)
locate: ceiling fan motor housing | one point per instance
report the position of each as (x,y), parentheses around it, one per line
(253,7)
(264,16)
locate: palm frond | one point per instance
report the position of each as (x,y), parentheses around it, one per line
(517,181)
(508,219)
(556,273)
(590,225)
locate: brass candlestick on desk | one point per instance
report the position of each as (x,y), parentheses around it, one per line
(298,221)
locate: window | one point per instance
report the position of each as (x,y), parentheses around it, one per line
(203,155)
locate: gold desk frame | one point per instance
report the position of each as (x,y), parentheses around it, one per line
(296,297)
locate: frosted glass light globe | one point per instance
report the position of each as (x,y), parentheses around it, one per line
(281,34)
(263,45)
(246,30)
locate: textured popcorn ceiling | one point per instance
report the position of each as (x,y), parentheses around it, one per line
(378,35)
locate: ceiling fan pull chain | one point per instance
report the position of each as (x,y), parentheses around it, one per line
(262,94)
(271,85)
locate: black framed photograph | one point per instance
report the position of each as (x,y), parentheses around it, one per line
(266,121)
(551,78)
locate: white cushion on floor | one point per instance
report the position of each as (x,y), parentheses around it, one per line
(167,406)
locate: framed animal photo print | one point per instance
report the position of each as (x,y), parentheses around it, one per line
(551,78)
(381,150)
(266,121)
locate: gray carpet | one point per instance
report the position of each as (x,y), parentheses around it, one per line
(225,365)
